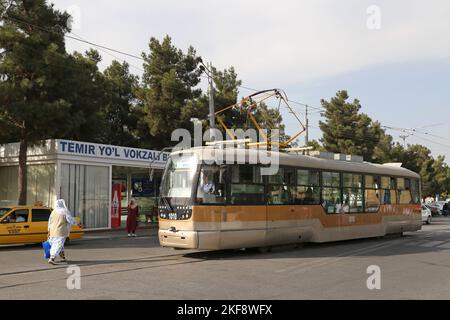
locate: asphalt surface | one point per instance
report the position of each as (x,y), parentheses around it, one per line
(112,266)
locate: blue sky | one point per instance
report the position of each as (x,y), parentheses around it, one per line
(311,48)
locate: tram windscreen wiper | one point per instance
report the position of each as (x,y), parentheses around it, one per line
(167,203)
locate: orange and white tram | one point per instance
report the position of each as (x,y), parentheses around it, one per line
(205,204)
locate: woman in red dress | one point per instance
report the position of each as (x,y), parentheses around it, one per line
(133,213)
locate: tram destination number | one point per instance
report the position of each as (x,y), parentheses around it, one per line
(226,310)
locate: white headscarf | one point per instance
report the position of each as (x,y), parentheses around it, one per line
(60,207)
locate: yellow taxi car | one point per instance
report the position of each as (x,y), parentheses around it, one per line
(28,224)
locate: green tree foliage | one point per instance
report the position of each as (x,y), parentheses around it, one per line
(45,92)
(120,112)
(434,173)
(226,92)
(169,83)
(86,91)
(32,65)
(345,130)
(316,145)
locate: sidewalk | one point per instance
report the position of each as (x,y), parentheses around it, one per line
(144,230)
(124,228)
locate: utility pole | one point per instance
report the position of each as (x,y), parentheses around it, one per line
(307,126)
(403,137)
(211,98)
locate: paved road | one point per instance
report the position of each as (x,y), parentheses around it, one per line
(416,266)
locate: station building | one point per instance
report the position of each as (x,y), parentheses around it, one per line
(95,180)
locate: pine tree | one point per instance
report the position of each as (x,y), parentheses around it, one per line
(345,130)
(119,110)
(32,64)
(44,92)
(169,87)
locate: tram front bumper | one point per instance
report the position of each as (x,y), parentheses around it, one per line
(178,239)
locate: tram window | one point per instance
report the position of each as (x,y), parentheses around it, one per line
(404,197)
(388,192)
(308,177)
(280,191)
(211,185)
(247,185)
(401,183)
(372,182)
(388,196)
(353,198)
(307,190)
(415,191)
(284,176)
(306,195)
(331,200)
(247,194)
(385,183)
(246,174)
(408,184)
(280,194)
(331,179)
(372,200)
(352,180)
(393,183)
(404,191)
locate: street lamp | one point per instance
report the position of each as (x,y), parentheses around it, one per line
(208,72)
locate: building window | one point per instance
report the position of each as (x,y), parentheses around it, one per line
(40,184)
(86,190)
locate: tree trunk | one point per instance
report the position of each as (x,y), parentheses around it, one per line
(23,170)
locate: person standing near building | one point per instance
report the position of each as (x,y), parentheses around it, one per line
(58,230)
(132,216)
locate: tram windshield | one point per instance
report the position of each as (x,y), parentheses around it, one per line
(179,177)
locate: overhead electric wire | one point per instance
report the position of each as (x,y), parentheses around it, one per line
(416,130)
(7,16)
(110,54)
(414,133)
(78,38)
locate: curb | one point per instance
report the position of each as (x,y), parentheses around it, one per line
(122,229)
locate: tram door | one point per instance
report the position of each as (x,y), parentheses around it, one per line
(244,219)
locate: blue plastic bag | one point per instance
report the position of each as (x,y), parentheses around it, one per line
(46,245)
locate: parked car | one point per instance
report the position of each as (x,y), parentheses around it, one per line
(29,224)
(435,211)
(426,214)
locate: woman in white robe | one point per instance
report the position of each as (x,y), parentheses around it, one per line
(59,225)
